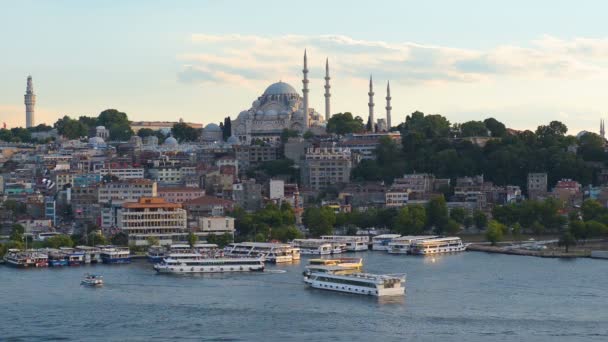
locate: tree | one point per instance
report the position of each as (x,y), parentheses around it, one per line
(117,123)
(431,126)
(192,239)
(96,238)
(495,232)
(481,219)
(17,232)
(59,241)
(71,128)
(227,129)
(458,214)
(566,240)
(452,227)
(344,123)
(120,239)
(468,221)
(410,220)
(473,129)
(319,221)
(437,214)
(496,128)
(184,132)
(288,133)
(308,135)
(592,209)
(153,241)
(516,231)
(145,132)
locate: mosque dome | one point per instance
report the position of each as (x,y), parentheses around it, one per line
(97,142)
(212,128)
(232,140)
(170,142)
(280,88)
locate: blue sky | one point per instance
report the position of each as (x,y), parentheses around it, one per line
(523,62)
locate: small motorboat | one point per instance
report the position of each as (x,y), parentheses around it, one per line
(92,280)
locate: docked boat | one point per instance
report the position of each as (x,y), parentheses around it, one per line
(92,255)
(92,280)
(24,259)
(115,255)
(209,265)
(271,252)
(73,257)
(352,243)
(57,258)
(438,246)
(358,283)
(381,242)
(402,245)
(156,254)
(314,246)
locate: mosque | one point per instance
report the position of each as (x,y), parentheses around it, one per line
(281,107)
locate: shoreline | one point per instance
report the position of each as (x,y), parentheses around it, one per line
(527,252)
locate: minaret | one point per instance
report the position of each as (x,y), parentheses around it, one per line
(305,91)
(388,106)
(30,102)
(371,105)
(327,94)
(602,129)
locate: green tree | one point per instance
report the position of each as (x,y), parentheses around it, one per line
(496,128)
(192,239)
(481,219)
(184,132)
(153,241)
(410,220)
(468,221)
(458,214)
(495,232)
(145,132)
(437,214)
(473,129)
(120,239)
(96,238)
(308,135)
(59,241)
(344,123)
(452,227)
(17,232)
(566,240)
(319,221)
(516,231)
(288,133)
(592,210)
(117,123)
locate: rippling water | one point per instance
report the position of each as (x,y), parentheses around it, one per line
(464,297)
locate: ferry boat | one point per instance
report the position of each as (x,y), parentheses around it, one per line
(24,259)
(73,257)
(335,266)
(57,258)
(358,283)
(92,255)
(352,243)
(156,253)
(438,246)
(92,280)
(115,255)
(210,265)
(271,252)
(314,246)
(381,242)
(402,245)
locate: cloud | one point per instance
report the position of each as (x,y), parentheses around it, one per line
(247,59)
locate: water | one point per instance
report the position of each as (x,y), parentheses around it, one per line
(464,297)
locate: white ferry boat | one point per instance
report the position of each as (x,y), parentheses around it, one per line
(316,247)
(210,265)
(353,243)
(335,266)
(115,255)
(438,246)
(381,242)
(358,283)
(271,252)
(92,280)
(402,245)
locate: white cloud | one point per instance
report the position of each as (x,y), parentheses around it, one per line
(248,59)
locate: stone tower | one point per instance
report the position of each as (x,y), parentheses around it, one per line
(30,103)
(305,91)
(371,106)
(388,106)
(327,94)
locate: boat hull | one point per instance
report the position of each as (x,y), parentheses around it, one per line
(360,290)
(116,260)
(207,269)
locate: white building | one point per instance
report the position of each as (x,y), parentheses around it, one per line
(153,217)
(123,172)
(113,195)
(216,225)
(276,189)
(397,198)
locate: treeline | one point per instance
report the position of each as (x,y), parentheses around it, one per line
(23,135)
(270,223)
(430,143)
(434,217)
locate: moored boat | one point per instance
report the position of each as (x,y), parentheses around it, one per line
(24,259)
(115,255)
(381,242)
(438,246)
(269,251)
(402,245)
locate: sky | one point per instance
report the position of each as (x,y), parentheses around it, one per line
(522,62)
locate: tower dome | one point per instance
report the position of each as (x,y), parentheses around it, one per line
(280,88)
(170,142)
